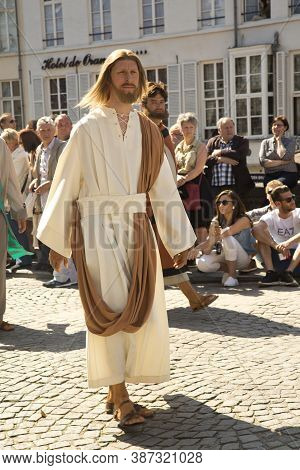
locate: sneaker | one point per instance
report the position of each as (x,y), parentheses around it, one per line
(287,279)
(271,279)
(252,266)
(54,283)
(18,266)
(231,282)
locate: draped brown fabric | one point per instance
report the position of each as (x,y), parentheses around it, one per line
(99,317)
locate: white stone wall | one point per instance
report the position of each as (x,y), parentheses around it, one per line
(181,42)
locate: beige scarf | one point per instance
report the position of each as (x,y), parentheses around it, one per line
(100,319)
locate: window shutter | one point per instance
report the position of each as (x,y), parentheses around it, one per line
(84,85)
(38,97)
(174,95)
(72,97)
(281,82)
(227,105)
(189,81)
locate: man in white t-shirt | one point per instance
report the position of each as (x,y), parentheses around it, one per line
(272,232)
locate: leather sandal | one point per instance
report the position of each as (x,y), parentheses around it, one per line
(5,326)
(203,301)
(140,409)
(132,414)
(143,411)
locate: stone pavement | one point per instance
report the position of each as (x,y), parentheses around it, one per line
(234,375)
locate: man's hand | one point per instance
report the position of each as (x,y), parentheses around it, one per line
(43,188)
(284,249)
(56,260)
(216,153)
(180,181)
(32,185)
(227,160)
(180,259)
(21,225)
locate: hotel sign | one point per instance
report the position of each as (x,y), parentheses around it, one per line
(50,64)
(59,63)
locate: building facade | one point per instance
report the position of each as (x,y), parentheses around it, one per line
(217,57)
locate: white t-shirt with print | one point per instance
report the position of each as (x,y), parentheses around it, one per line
(282,229)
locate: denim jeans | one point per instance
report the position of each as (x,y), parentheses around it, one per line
(282,265)
(287,178)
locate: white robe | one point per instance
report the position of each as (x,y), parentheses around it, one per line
(99,165)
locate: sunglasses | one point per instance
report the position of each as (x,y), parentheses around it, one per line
(225,202)
(288,199)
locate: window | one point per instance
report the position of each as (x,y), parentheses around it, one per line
(157,75)
(58,96)
(212,13)
(213,94)
(53,23)
(257,10)
(8,26)
(295,7)
(153,16)
(101,20)
(253,107)
(296,97)
(10,96)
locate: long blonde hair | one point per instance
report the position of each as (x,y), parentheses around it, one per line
(100,92)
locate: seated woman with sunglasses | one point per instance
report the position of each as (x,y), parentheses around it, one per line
(230,233)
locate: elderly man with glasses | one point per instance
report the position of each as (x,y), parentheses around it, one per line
(277,234)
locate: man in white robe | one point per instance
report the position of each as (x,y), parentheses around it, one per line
(99,168)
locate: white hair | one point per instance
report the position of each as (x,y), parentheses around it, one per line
(62,115)
(223,120)
(187,117)
(45,120)
(10,135)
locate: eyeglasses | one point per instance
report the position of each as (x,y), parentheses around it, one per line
(288,199)
(225,202)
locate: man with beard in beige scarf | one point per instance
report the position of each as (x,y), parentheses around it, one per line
(97,209)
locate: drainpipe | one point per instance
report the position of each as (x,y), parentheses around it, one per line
(275,48)
(20,71)
(235,11)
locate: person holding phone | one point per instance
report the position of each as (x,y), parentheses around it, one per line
(231,231)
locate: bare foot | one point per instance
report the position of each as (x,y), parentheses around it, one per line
(5,326)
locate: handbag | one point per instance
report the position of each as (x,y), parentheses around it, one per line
(29,203)
(191,193)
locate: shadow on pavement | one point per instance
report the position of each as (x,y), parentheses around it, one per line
(229,323)
(55,339)
(189,424)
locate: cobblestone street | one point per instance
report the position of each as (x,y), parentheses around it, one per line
(234,375)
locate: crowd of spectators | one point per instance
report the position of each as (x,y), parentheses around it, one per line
(35,152)
(213,181)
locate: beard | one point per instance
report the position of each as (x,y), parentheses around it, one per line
(156,114)
(126,97)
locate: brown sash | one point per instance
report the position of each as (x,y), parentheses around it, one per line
(99,317)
